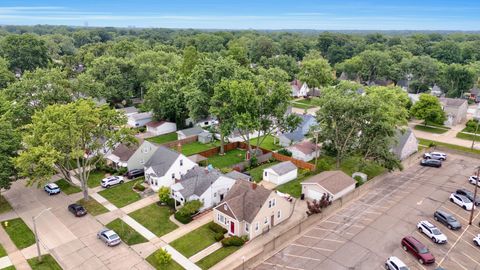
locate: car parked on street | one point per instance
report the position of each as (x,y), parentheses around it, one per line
(432,232)
(135,173)
(419,250)
(461,201)
(473,180)
(52,188)
(108,236)
(77,210)
(467,193)
(111,181)
(447,219)
(394,263)
(431,163)
(435,155)
(476,240)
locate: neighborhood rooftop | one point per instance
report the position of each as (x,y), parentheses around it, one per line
(143,115)
(333,181)
(454,102)
(124,152)
(283,167)
(196,181)
(155,124)
(306,147)
(191,131)
(162,160)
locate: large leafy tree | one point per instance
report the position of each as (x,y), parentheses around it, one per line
(369,65)
(62,134)
(456,79)
(6,76)
(25,52)
(428,109)
(424,71)
(316,71)
(447,51)
(9,143)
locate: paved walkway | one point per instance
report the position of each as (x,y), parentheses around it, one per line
(103,201)
(204,253)
(139,228)
(447,137)
(174,220)
(15,256)
(169,237)
(178,257)
(140,204)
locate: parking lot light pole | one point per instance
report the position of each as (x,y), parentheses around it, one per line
(474,196)
(35,232)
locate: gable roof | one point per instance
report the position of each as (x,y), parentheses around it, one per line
(124,152)
(452,102)
(144,115)
(238,175)
(196,181)
(332,181)
(437,89)
(162,160)
(191,131)
(294,136)
(155,124)
(283,167)
(128,110)
(245,199)
(306,147)
(402,138)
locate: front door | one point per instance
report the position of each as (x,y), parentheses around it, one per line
(221,197)
(272,221)
(232,227)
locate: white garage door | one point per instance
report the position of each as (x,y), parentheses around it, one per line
(313,194)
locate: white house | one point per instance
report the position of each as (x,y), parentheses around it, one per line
(161,127)
(120,156)
(189,132)
(406,144)
(334,183)
(165,166)
(205,122)
(143,154)
(206,185)
(299,89)
(280,173)
(455,110)
(305,150)
(139,119)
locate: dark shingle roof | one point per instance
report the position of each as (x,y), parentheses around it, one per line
(124,152)
(333,181)
(283,167)
(162,160)
(238,175)
(295,136)
(196,181)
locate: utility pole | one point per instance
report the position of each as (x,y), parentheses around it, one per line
(36,234)
(474,195)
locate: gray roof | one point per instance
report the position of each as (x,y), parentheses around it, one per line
(196,181)
(128,110)
(238,175)
(436,88)
(332,181)
(191,131)
(283,167)
(144,115)
(162,160)
(124,152)
(452,102)
(205,134)
(402,138)
(294,136)
(474,90)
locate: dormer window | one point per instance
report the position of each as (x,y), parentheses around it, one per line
(181,162)
(173,175)
(225,207)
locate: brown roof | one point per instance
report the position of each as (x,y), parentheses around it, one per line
(453,102)
(306,147)
(333,181)
(155,124)
(244,200)
(124,152)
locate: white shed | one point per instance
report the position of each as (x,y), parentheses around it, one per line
(334,183)
(139,119)
(161,127)
(280,173)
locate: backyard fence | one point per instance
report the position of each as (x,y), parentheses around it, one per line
(299,163)
(245,164)
(182,142)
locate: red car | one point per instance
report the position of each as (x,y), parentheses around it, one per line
(419,250)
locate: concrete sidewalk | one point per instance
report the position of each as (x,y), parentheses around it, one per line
(97,197)
(140,204)
(169,237)
(179,258)
(15,256)
(205,252)
(139,228)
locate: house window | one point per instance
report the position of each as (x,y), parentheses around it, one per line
(173,175)
(273,202)
(181,162)
(278,214)
(247,227)
(266,220)
(215,195)
(221,218)
(256,226)
(269,204)
(265,173)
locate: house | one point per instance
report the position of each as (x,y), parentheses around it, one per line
(474,94)
(287,139)
(305,150)
(406,144)
(165,166)
(161,127)
(120,156)
(127,111)
(205,122)
(239,176)
(299,89)
(205,137)
(436,91)
(280,173)
(206,185)
(139,119)
(455,110)
(335,183)
(189,132)
(251,210)
(143,153)
(236,136)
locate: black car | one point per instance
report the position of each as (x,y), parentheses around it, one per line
(431,163)
(77,210)
(468,194)
(447,220)
(134,173)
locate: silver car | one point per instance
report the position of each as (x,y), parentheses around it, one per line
(108,236)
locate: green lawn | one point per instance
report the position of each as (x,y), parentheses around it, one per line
(47,263)
(469,137)
(294,188)
(301,105)
(155,218)
(194,241)
(197,147)
(216,257)
(4,205)
(431,129)
(447,145)
(122,195)
(19,233)
(93,207)
(66,187)
(11,267)
(171,266)
(230,158)
(267,143)
(257,172)
(126,233)
(3,253)
(169,137)
(94,178)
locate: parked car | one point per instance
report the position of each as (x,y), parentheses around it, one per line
(134,173)
(394,263)
(476,240)
(52,189)
(473,180)
(435,155)
(419,250)
(432,232)
(468,194)
(461,201)
(111,181)
(447,219)
(108,236)
(431,163)
(77,210)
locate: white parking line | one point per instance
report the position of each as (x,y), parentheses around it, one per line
(468,243)
(455,261)
(283,266)
(470,257)
(324,249)
(451,211)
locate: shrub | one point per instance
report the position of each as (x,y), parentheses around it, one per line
(471,125)
(217,228)
(253,161)
(323,165)
(359,180)
(285,152)
(432,144)
(219,236)
(164,194)
(183,219)
(190,208)
(233,241)
(171,203)
(142,129)
(163,257)
(122,171)
(138,186)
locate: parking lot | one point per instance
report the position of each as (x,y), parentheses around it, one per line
(364,233)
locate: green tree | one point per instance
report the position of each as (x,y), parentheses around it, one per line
(163,257)
(190,60)
(448,52)
(9,144)
(456,79)
(428,109)
(26,52)
(6,76)
(369,66)
(316,71)
(164,194)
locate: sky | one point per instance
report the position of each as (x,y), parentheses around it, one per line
(249,14)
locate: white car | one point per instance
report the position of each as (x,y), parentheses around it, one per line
(52,188)
(473,180)
(394,263)
(432,232)
(461,201)
(110,237)
(476,240)
(435,155)
(111,181)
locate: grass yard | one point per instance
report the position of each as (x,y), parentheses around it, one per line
(47,263)
(126,233)
(469,137)
(268,143)
(171,266)
(94,178)
(93,207)
(447,145)
(4,205)
(197,147)
(230,158)
(169,137)
(257,172)
(216,257)
(3,253)
(19,233)
(431,129)
(121,195)
(294,188)
(301,105)
(194,241)
(155,218)
(66,187)
(11,267)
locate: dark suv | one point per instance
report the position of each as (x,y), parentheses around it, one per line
(431,163)
(419,250)
(469,195)
(77,210)
(134,173)
(447,220)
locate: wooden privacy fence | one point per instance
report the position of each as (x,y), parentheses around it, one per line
(299,163)
(182,142)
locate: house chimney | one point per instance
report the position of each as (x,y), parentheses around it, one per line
(179,148)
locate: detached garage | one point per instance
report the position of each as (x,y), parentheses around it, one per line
(280,173)
(161,127)
(335,183)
